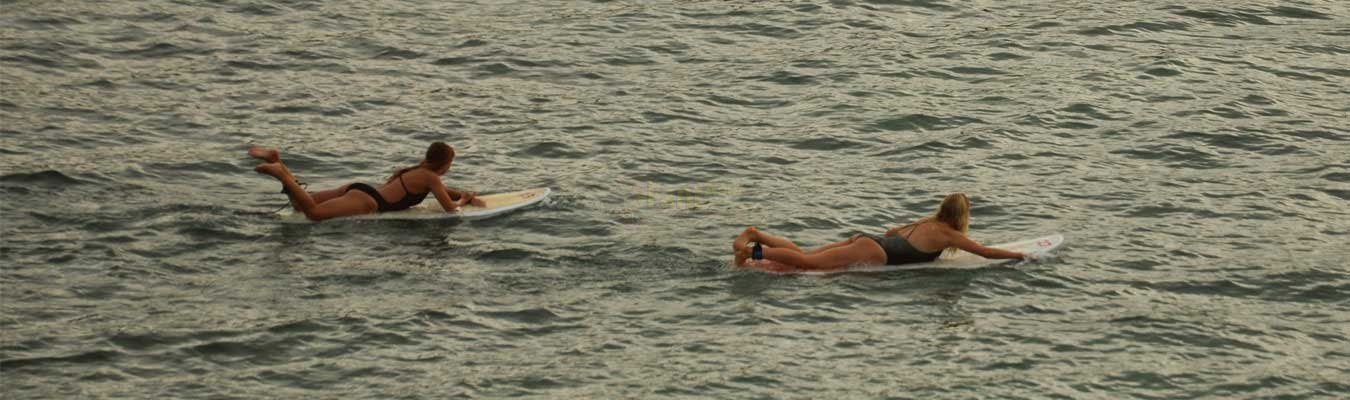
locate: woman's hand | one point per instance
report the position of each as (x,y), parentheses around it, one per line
(465,198)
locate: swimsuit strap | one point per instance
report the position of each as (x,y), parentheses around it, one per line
(407,192)
(915,228)
(916,249)
(404,185)
(409,198)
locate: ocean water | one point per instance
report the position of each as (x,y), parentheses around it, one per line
(1196,155)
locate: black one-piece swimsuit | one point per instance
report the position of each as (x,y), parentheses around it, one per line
(409,198)
(899,251)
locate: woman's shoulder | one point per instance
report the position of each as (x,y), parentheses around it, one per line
(426,177)
(420,174)
(944,229)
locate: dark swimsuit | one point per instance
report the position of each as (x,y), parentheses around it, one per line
(409,198)
(899,251)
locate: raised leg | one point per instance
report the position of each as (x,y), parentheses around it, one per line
(771,240)
(272,155)
(348,204)
(739,246)
(268,154)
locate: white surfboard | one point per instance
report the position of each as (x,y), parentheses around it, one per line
(430,209)
(1037,247)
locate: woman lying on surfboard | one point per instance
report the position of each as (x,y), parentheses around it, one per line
(407,188)
(921,241)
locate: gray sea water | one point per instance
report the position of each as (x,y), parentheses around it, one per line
(1195,154)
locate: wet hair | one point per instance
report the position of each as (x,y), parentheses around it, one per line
(954,212)
(438,155)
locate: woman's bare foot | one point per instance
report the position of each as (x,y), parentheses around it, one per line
(268,154)
(740,245)
(742,256)
(276,170)
(744,238)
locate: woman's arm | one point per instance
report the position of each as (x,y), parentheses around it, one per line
(447,196)
(960,241)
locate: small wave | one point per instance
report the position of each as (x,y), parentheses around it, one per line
(755,103)
(1091,112)
(1170,210)
(42,178)
(48,22)
(94,356)
(325,111)
(496,68)
(1342,194)
(259,10)
(627,60)
(158,50)
(1257,142)
(827,144)
(1004,56)
(455,61)
(977,71)
(255,65)
(51,60)
(1179,155)
(1132,28)
(1226,18)
(150,340)
(1297,13)
(471,43)
(659,117)
(1323,49)
(920,122)
(753,28)
(394,53)
(785,78)
(934,5)
(307,54)
(508,254)
(552,150)
(524,316)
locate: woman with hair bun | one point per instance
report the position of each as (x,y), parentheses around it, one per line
(406,188)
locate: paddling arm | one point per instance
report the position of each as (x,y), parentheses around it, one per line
(960,241)
(447,196)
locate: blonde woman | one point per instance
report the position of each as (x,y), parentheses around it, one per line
(921,241)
